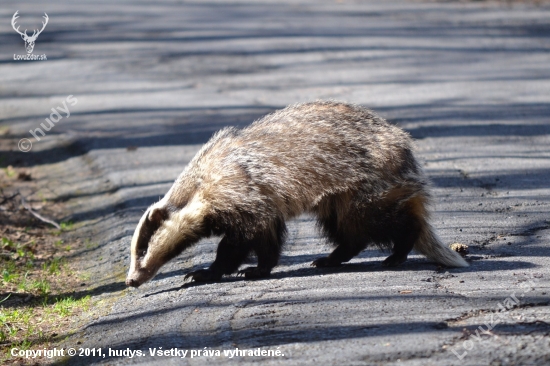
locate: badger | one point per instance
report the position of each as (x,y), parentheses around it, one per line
(354,171)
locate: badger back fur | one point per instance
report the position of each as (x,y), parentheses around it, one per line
(350,168)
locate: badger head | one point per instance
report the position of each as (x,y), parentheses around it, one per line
(162,233)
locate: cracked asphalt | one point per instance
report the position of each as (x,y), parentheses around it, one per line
(154,80)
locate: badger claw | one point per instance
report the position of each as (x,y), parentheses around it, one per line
(253,273)
(325,262)
(394,260)
(203,275)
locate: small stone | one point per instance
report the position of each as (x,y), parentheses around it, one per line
(24,176)
(461,249)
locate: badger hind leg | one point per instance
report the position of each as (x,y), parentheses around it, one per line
(353,220)
(429,244)
(267,246)
(408,215)
(411,229)
(404,232)
(344,227)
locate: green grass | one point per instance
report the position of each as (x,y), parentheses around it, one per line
(12,322)
(42,286)
(22,323)
(66,226)
(84,276)
(54,266)
(10,272)
(6,242)
(65,307)
(89,244)
(44,313)
(23,283)
(18,250)
(10,172)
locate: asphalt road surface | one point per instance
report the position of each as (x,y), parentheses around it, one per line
(153,80)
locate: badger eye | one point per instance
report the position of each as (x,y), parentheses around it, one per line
(143,252)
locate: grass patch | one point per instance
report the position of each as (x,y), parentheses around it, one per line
(65,226)
(37,301)
(10,172)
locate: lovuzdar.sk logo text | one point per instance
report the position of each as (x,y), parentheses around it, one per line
(29,40)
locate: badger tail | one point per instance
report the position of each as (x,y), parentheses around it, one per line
(431,246)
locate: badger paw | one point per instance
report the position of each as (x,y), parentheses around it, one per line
(251,273)
(394,260)
(325,262)
(204,275)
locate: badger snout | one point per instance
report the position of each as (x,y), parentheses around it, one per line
(132,283)
(137,277)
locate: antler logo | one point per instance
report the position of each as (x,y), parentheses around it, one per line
(29,41)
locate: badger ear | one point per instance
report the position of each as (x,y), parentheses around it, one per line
(158,215)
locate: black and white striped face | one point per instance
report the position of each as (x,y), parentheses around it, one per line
(162,233)
(142,267)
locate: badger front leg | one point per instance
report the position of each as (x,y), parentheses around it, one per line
(229,256)
(267,245)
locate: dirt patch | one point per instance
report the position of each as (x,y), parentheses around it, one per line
(39,301)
